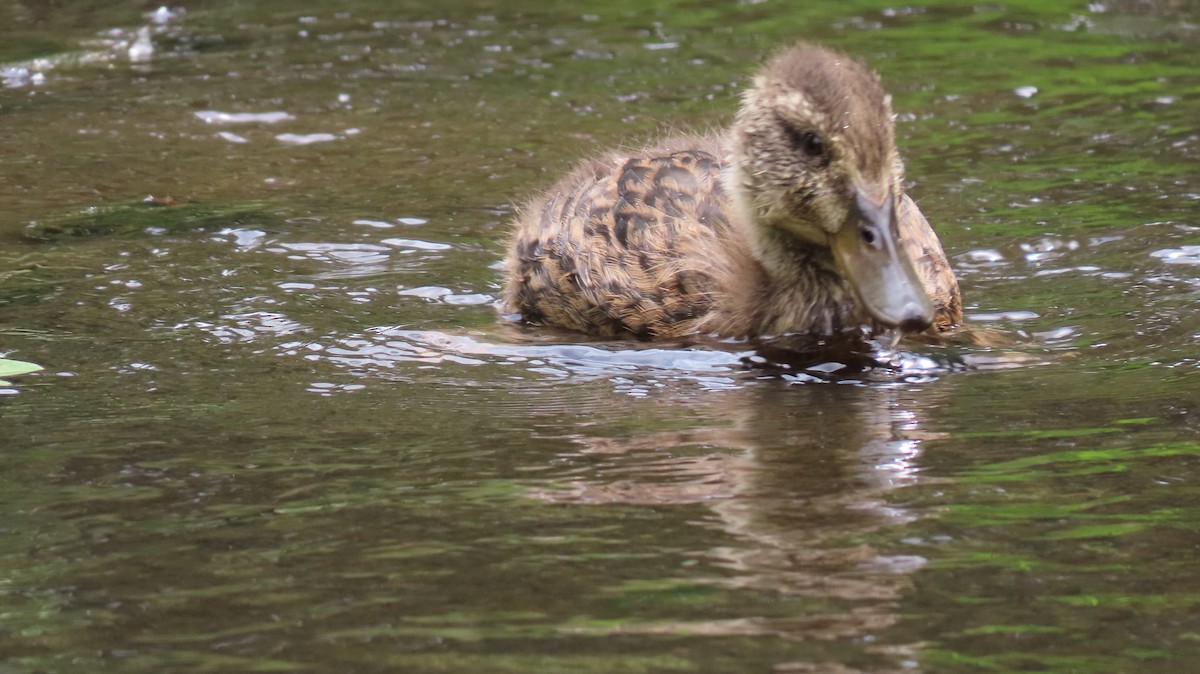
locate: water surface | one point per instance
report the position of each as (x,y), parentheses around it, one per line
(281,428)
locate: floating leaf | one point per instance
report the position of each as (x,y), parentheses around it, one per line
(12,368)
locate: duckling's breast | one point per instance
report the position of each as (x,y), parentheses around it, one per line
(623,247)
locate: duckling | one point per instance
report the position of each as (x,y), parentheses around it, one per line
(794,220)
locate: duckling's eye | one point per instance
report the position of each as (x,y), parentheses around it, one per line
(806,142)
(868,236)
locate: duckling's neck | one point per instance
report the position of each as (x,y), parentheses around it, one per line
(781,251)
(801,289)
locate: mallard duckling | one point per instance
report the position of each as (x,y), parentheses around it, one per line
(793,221)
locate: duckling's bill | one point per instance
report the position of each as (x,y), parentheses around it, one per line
(868,251)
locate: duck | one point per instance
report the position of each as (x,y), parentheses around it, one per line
(793,220)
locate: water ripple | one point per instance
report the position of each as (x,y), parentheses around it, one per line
(1181,255)
(218,117)
(248,326)
(417,244)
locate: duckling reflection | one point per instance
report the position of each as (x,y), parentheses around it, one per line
(789,482)
(793,221)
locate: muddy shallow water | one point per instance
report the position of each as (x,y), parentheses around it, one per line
(281,428)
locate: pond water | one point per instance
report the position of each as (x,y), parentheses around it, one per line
(281,428)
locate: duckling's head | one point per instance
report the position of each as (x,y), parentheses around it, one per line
(815,168)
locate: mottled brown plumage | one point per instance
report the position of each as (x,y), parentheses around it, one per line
(794,220)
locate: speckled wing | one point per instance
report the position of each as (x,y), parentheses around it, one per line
(923,247)
(620,248)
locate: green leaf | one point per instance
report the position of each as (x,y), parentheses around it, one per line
(12,368)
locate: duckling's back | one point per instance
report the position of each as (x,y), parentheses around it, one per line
(623,247)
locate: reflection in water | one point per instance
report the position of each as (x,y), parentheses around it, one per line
(229,472)
(795,478)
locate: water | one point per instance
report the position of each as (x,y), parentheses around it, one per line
(280,427)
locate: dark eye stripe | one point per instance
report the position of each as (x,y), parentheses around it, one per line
(805,142)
